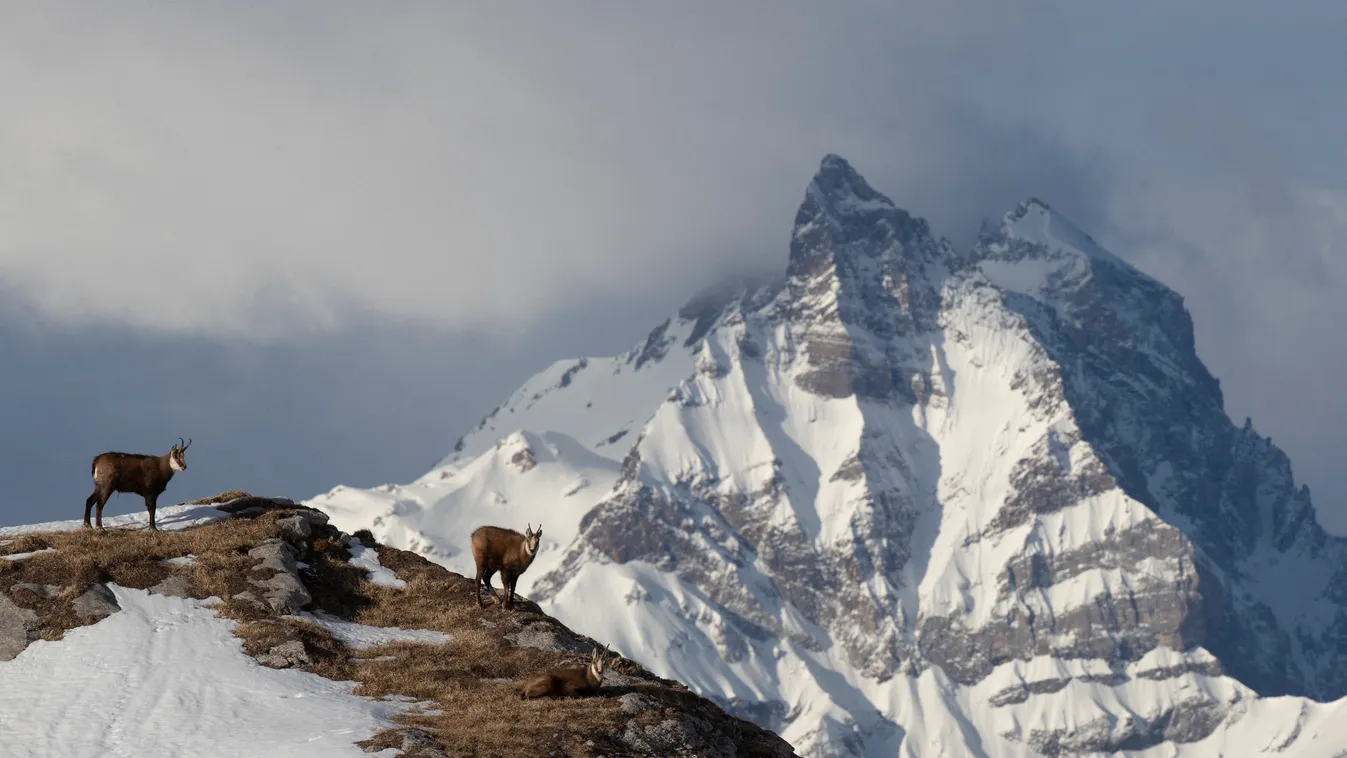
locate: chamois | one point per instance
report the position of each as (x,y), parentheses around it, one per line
(504,550)
(134,473)
(567,682)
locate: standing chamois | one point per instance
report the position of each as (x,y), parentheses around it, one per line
(567,682)
(504,550)
(134,473)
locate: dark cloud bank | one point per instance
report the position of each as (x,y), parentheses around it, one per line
(379,403)
(353,233)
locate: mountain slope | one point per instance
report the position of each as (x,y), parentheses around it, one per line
(908,499)
(251,627)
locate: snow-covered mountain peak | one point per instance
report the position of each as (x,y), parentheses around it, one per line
(1025,207)
(843,192)
(843,217)
(901,498)
(1036,231)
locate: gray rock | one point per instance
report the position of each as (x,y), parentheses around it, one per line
(633,703)
(249,598)
(672,737)
(295,528)
(541,637)
(286,594)
(614,679)
(18,627)
(238,505)
(174,586)
(273,554)
(301,525)
(43,591)
(285,655)
(283,591)
(96,602)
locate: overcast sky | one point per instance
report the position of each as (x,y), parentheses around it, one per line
(323,239)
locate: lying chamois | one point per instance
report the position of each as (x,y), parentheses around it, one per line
(134,473)
(567,682)
(504,550)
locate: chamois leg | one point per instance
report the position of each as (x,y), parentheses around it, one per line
(150,502)
(487,580)
(508,585)
(88,506)
(477,588)
(98,514)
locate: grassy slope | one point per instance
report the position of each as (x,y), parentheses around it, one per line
(471,683)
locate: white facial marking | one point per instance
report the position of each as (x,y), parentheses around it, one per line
(173,464)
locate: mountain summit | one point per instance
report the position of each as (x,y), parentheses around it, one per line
(906,500)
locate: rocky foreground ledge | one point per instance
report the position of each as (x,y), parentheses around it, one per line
(303,595)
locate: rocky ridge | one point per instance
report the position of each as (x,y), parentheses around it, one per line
(306,596)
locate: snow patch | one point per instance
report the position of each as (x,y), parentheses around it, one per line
(368,559)
(171,518)
(21,556)
(118,687)
(361,636)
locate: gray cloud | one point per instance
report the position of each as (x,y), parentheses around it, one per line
(378,403)
(230,185)
(453,168)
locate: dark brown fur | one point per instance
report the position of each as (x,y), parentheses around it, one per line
(133,473)
(504,550)
(567,682)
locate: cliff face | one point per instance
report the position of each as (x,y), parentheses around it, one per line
(906,496)
(255,594)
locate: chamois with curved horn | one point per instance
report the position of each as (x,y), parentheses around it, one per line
(133,473)
(568,682)
(504,550)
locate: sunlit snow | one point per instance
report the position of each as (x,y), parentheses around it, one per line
(166,676)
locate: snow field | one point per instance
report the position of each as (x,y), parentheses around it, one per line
(170,518)
(120,687)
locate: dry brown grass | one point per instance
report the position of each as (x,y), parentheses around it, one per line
(473,680)
(329,656)
(223,497)
(131,558)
